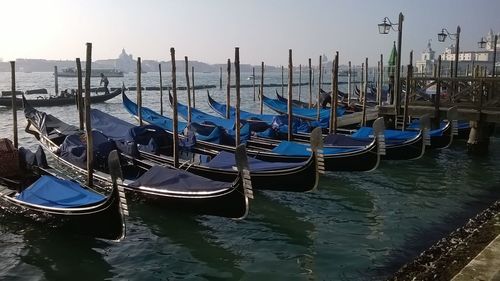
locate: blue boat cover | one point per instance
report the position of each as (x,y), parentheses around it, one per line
(200,117)
(244,115)
(166,179)
(343,140)
(415,125)
(50,191)
(304,113)
(225,160)
(74,150)
(129,137)
(205,133)
(229,135)
(298,149)
(391,136)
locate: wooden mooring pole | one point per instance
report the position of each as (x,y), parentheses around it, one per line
(261,87)
(192,86)
(186,63)
(290,96)
(139,91)
(175,125)
(253,82)
(381,80)
(161,89)
(300,80)
(88,126)
(437,96)
(228,97)
(310,84)
(365,89)
(14,102)
(56,81)
(319,90)
(237,81)
(220,78)
(79,98)
(349,83)
(334,96)
(282,80)
(409,74)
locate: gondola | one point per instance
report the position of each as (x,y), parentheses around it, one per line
(42,194)
(441,137)
(58,100)
(298,177)
(302,113)
(168,187)
(398,145)
(335,159)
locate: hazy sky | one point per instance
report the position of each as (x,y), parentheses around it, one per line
(208,30)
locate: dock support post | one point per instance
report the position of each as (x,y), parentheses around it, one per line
(479,137)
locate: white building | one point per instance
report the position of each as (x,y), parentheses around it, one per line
(125,62)
(467,60)
(426,63)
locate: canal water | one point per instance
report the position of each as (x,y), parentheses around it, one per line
(356,226)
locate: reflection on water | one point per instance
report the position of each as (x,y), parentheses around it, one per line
(355,226)
(32,251)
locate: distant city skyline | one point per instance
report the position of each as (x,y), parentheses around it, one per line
(208,31)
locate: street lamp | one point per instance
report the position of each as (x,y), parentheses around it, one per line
(384,28)
(453,36)
(482,44)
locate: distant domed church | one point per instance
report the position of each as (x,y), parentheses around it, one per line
(426,63)
(125,62)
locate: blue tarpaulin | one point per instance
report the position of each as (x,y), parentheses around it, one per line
(54,192)
(297,149)
(225,160)
(205,133)
(74,150)
(129,137)
(163,178)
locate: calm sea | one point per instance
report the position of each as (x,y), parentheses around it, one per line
(356,226)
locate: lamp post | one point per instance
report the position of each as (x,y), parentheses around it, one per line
(384,28)
(482,44)
(453,36)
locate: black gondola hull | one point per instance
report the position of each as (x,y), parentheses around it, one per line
(59,101)
(105,220)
